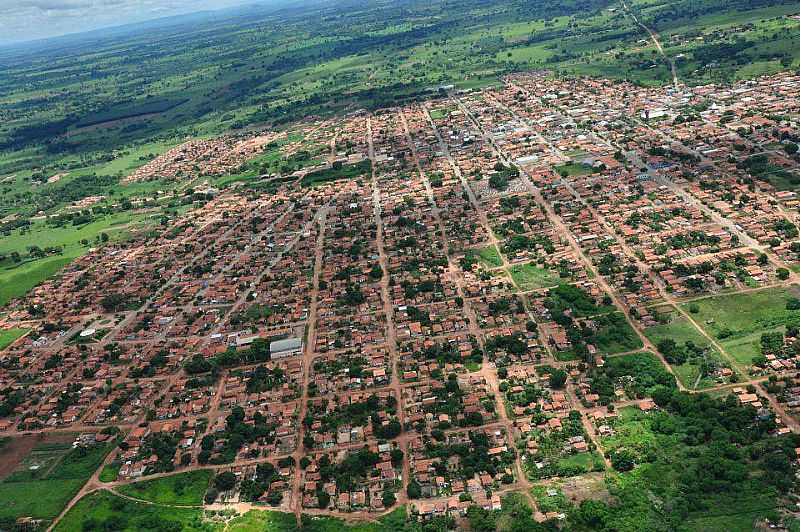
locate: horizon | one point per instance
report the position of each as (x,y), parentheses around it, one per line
(31,21)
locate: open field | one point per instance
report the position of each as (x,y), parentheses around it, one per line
(17,281)
(9,336)
(110,473)
(121,514)
(124,515)
(681,330)
(184,489)
(574,169)
(16,278)
(737,321)
(46,476)
(531,277)
(490,257)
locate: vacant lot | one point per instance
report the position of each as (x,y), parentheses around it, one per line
(574,169)
(183,489)
(531,277)
(737,321)
(111,512)
(116,513)
(490,257)
(681,331)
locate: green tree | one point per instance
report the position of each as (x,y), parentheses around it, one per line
(225,481)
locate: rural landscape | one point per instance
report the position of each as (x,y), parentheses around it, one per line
(404,266)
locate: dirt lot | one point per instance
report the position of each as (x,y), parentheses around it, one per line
(591,486)
(17,449)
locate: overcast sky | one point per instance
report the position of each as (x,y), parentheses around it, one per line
(24,20)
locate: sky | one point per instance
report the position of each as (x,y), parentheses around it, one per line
(25,20)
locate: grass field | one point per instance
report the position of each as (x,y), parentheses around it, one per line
(183,489)
(574,169)
(118,514)
(69,237)
(47,479)
(738,320)
(531,277)
(42,499)
(682,330)
(8,336)
(17,281)
(17,278)
(585,461)
(490,257)
(109,473)
(110,512)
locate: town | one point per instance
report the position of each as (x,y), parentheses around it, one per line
(434,305)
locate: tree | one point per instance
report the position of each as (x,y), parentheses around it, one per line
(592,514)
(225,481)
(397,457)
(388,499)
(274,498)
(783,273)
(323,498)
(622,459)
(480,519)
(790,148)
(414,491)
(376,272)
(558,378)
(113,302)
